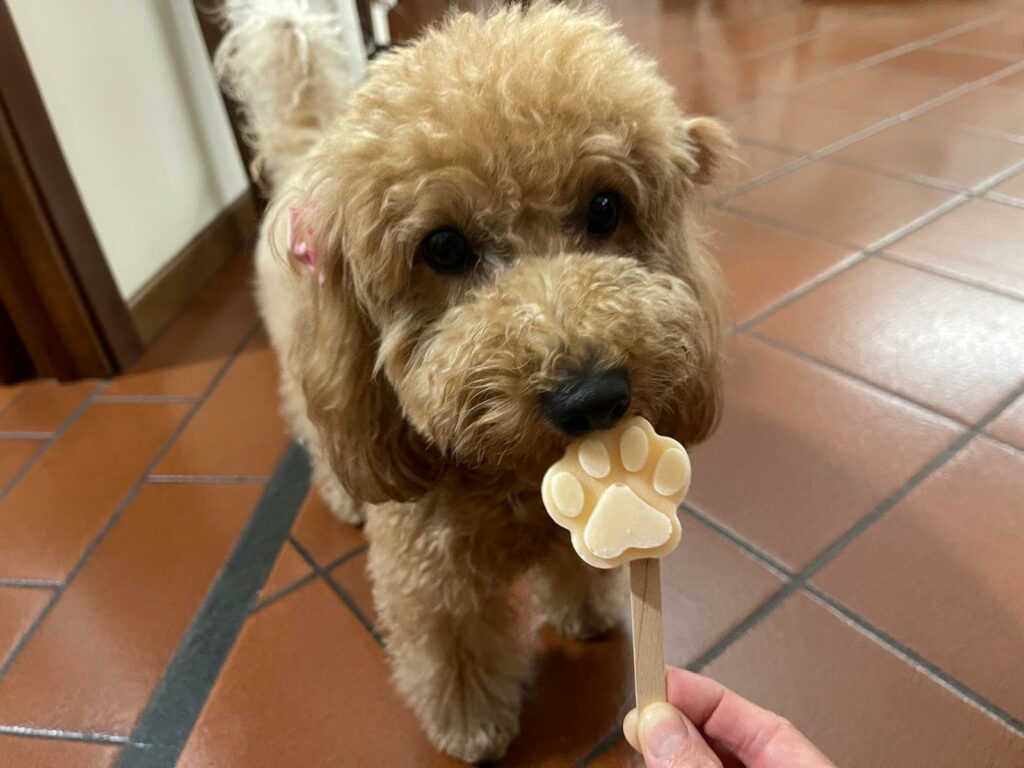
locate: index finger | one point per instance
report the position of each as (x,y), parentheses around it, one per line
(751,733)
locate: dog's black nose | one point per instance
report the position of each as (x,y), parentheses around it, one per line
(588,402)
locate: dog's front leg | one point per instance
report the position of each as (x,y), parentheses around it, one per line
(451,634)
(578,600)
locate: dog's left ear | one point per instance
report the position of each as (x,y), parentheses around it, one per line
(709,149)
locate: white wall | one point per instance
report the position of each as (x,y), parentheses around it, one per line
(135,105)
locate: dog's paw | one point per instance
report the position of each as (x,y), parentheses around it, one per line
(617,493)
(343,506)
(587,620)
(478,741)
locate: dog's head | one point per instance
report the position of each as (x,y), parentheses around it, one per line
(507,219)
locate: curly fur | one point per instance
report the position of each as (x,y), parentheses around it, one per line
(417,393)
(284,61)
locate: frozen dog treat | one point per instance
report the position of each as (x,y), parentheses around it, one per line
(617,492)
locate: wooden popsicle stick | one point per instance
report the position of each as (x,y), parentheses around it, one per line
(648,638)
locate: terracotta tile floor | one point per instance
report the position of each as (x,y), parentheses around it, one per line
(171,595)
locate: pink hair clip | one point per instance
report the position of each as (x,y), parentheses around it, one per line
(300,246)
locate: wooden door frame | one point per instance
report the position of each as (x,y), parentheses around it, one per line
(56,287)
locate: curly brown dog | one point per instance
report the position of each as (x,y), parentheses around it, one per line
(494,244)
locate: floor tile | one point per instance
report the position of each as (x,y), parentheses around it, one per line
(45,406)
(353,577)
(306,685)
(596,675)
(880,91)
(185,358)
(784,69)
(22,752)
(788,469)
(741,37)
(950,346)
(1003,36)
(701,96)
(97,657)
(911,24)
(755,161)
(14,455)
(19,606)
(800,125)
(840,204)
(1012,187)
(1014,81)
(582,692)
(323,535)
(239,429)
(763,264)
(948,556)
(938,151)
(289,567)
(709,586)
(88,470)
(1009,425)
(999,109)
(9,393)
(863,706)
(955,66)
(619,756)
(981,242)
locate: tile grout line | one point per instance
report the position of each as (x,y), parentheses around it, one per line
(26,435)
(291,589)
(801,581)
(911,657)
(866,63)
(937,462)
(829,149)
(968,51)
(205,479)
(64,427)
(851,261)
(795,40)
(793,229)
(123,504)
(798,293)
(999,197)
(883,124)
(301,582)
(895,258)
(849,375)
(606,742)
(62,735)
(147,398)
(338,590)
(169,717)
(29,584)
(750,549)
(861,624)
(14,402)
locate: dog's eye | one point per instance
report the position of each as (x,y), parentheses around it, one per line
(447,251)
(603,216)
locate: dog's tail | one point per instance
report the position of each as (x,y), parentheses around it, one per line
(286,64)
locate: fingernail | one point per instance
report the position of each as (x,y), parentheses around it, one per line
(662,730)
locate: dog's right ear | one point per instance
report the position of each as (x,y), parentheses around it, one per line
(375,452)
(709,149)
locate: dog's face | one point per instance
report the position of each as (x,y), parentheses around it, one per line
(508,223)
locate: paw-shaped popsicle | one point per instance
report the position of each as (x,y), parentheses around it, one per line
(617,493)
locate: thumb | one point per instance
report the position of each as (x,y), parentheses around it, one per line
(669,740)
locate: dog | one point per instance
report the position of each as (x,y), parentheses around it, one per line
(492,246)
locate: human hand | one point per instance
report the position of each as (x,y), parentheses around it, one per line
(705,724)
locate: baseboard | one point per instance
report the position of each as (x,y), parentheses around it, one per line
(160,300)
